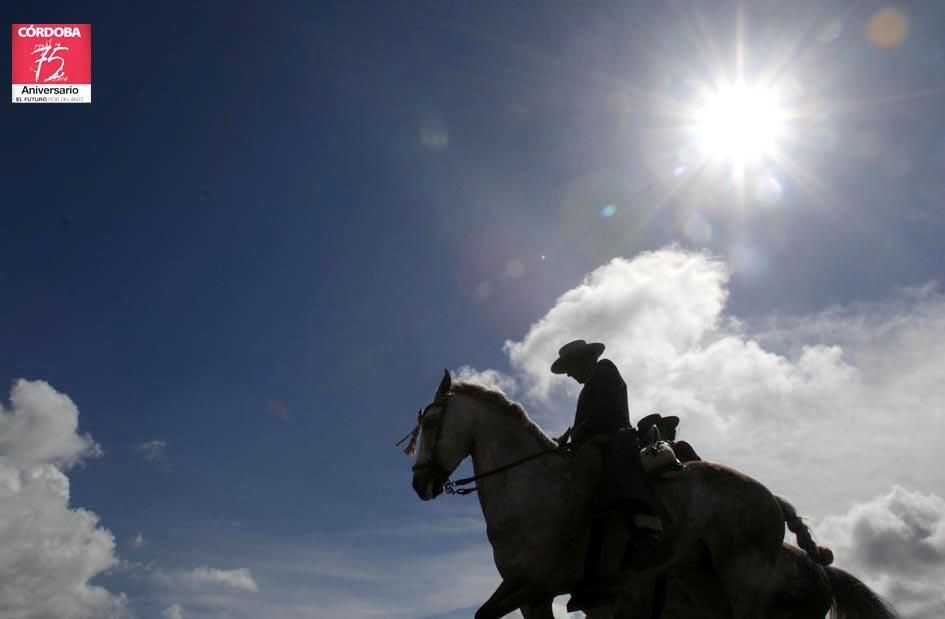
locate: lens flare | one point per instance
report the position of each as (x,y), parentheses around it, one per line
(887,28)
(830,30)
(769,190)
(433,133)
(697,229)
(515,268)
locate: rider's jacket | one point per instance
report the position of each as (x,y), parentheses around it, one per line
(602,406)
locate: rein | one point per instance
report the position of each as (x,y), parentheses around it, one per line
(450,487)
(565,446)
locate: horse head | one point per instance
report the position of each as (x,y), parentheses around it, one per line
(442,443)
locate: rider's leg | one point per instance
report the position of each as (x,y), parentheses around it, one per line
(631,492)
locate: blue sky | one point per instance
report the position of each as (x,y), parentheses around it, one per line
(277,223)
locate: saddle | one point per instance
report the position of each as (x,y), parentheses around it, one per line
(657,456)
(659,459)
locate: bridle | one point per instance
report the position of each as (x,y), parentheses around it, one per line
(438,471)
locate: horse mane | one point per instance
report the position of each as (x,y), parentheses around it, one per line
(501,401)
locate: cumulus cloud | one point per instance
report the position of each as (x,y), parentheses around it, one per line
(897,540)
(154,451)
(137,542)
(647,311)
(49,552)
(42,428)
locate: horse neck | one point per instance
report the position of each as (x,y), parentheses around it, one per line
(499,437)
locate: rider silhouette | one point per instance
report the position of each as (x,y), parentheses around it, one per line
(603,412)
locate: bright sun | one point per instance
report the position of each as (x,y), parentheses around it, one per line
(739,124)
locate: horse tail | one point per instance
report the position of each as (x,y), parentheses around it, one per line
(818,554)
(852,599)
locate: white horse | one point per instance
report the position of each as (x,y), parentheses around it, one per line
(538,513)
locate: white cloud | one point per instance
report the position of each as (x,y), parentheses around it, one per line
(137,542)
(488,378)
(49,552)
(897,540)
(237,579)
(203,577)
(646,311)
(203,591)
(154,451)
(173,612)
(42,428)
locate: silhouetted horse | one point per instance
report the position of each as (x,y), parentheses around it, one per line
(538,514)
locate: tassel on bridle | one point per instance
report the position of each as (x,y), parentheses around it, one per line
(413,435)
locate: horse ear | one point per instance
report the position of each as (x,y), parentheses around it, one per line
(444,387)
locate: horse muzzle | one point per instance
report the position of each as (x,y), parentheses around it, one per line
(429,480)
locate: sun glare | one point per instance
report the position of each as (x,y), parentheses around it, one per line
(739,124)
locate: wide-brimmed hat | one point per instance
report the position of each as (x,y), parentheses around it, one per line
(572,351)
(655,419)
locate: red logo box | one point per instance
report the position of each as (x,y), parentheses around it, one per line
(52,63)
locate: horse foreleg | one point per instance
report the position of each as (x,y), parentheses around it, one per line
(508,597)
